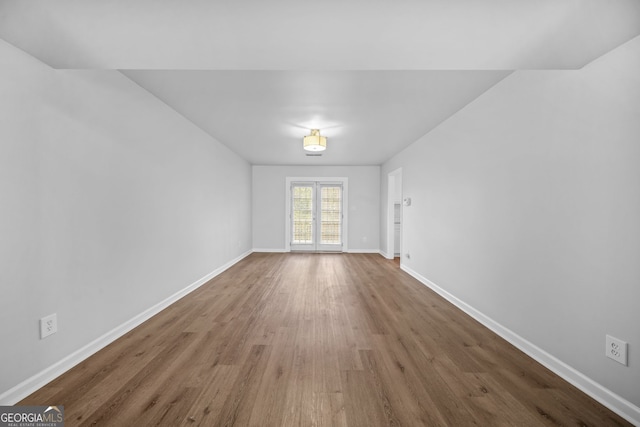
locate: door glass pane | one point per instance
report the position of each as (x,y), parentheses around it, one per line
(302,215)
(331,215)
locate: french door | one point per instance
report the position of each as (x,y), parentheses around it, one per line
(316,216)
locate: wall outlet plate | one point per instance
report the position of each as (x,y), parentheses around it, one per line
(616,349)
(48,325)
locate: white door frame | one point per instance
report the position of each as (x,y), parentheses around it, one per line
(392,198)
(324,179)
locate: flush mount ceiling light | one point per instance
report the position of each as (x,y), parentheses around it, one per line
(315,142)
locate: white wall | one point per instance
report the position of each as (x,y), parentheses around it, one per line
(110,203)
(269,204)
(526,207)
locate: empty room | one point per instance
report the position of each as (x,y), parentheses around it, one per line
(338,213)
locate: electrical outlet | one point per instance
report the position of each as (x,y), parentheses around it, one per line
(48,325)
(408,255)
(616,349)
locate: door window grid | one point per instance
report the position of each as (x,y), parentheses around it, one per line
(316,216)
(302,215)
(331,217)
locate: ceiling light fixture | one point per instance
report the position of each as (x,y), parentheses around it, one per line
(315,142)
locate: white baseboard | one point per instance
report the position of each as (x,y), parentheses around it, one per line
(349,251)
(387,256)
(617,404)
(28,386)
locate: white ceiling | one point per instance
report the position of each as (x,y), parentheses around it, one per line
(373,75)
(367,116)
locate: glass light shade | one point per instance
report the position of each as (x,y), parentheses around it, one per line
(315,142)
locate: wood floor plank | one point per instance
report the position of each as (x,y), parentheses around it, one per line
(404,379)
(362,401)
(318,340)
(268,409)
(207,407)
(243,394)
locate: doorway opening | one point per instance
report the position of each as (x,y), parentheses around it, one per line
(394,215)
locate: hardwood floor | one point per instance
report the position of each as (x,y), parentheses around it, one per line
(310,339)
